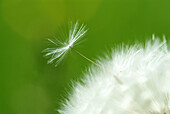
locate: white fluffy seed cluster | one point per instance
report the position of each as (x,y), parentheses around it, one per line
(145,89)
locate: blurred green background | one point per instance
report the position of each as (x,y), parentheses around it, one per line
(28,85)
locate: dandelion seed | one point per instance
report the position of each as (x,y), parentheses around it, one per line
(57,54)
(61,49)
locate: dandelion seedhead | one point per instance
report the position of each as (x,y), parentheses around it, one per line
(57,54)
(135,80)
(145,89)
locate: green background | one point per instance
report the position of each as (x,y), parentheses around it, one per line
(28,85)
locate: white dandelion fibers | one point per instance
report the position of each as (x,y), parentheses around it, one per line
(145,74)
(116,78)
(58,53)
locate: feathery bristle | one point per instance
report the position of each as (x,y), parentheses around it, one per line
(57,54)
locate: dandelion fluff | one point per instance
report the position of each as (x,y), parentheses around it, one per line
(145,75)
(61,48)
